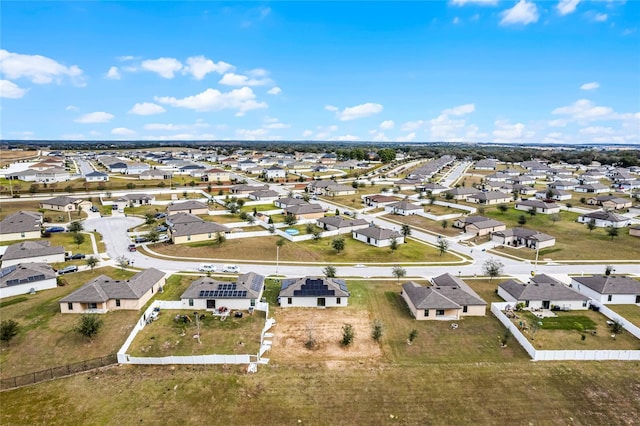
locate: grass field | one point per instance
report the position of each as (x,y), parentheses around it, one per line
(65,239)
(9,207)
(629,312)
(264,248)
(46,338)
(422,223)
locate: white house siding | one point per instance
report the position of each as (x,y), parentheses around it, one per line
(15,290)
(201,304)
(377,243)
(80,308)
(18,236)
(312,302)
(506,295)
(51,258)
(545,244)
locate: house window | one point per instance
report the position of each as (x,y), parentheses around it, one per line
(426,312)
(209,234)
(22,234)
(118,303)
(609,297)
(188,237)
(338,300)
(439,312)
(190,302)
(584,304)
(70,306)
(253,302)
(465,309)
(638,298)
(289,301)
(92,305)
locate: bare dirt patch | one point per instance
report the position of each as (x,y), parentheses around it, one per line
(294,325)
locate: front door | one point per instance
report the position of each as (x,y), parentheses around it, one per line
(638,298)
(211,303)
(546,304)
(321,301)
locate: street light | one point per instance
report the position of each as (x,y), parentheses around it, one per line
(277,257)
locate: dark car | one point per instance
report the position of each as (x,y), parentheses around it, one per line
(68,269)
(94,209)
(77,256)
(53,229)
(161,228)
(160,215)
(139,240)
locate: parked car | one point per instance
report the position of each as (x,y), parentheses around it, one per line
(161,228)
(53,229)
(230,268)
(139,240)
(94,209)
(68,269)
(207,267)
(132,247)
(75,256)
(160,215)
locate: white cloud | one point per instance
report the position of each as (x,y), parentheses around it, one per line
(600,17)
(182,136)
(199,124)
(507,132)
(412,125)
(566,7)
(38,69)
(241,100)
(10,90)
(460,110)
(70,136)
(444,128)
(113,74)
(122,131)
(251,134)
(127,58)
(199,67)
(274,91)
(556,137)
(307,133)
(590,86)
(522,13)
(346,138)
(584,110)
(387,125)
(232,79)
(456,20)
(164,67)
(558,123)
(359,111)
(324,132)
(406,138)
(331,108)
(379,136)
(274,123)
(72,108)
(146,108)
(95,117)
(478,2)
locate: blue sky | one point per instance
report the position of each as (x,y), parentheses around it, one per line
(462,70)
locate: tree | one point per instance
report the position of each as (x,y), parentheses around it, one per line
(443,246)
(122,262)
(316,235)
(387,155)
(338,244)
(75,226)
(347,335)
(309,228)
(492,268)
(394,244)
(89,325)
(532,211)
(221,238)
(398,272)
(91,262)
(8,330)
(406,230)
(378,330)
(280,242)
(555,217)
(329,271)
(149,219)
(412,336)
(78,238)
(272,229)
(290,219)
(591,225)
(444,224)
(251,219)
(448,196)
(612,232)
(153,236)
(522,220)
(503,208)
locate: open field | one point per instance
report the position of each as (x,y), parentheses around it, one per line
(573,239)
(46,338)
(630,312)
(65,239)
(435,209)
(566,330)
(8,157)
(424,224)
(9,207)
(264,248)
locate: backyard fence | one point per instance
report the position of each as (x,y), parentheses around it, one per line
(57,372)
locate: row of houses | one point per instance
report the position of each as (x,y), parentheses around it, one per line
(46,170)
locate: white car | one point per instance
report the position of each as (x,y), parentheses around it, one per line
(230,268)
(207,267)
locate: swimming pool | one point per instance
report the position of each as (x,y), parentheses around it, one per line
(292,231)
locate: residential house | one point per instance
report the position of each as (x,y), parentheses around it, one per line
(342,224)
(96,177)
(553,194)
(522,237)
(21,225)
(246,165)
(449,298)
(403,208)
(594,188)
(190,232)
(210,294)
(607,289)
(489,198)
(32,252)
(216,175)
(521,180)
(25,278)
(264,195)
(525,190)
(275,172)
(247,189)
(156,174)
(538,206)
(104,294)
(486,164)
(377,236)
(66,204)
(610,202)
(403,184)
(604,219)
(377,200)
(135,200)
(305,211)
(193,207)
(634,230)
(329,187)
(434,188)
(328,159)
(311,292)
(543,292)
(179,218)
(137,168)
(563,185)
(288,201)
(461,193)
(478,225)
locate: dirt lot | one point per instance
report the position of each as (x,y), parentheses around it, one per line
(295,324)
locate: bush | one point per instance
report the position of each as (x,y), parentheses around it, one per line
(347,335)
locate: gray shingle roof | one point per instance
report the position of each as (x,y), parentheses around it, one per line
(252,283)
(313,287)
(182,217)
(611,284)
(378,233)
(457,290)
(608,216)
(341,221)
(21,222)
(187,205)
(525,233)
(28,249)
(427,297)
(24,273)
(544,290)
(537,204)
(197,228)
(405,205)
(264,193)
(304,209)
(61,201)
(288,201)
(103,288)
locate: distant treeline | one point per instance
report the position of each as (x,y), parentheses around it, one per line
(573,154)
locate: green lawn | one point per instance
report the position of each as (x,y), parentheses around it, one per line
(65,239)
(629,312)
(258,207)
